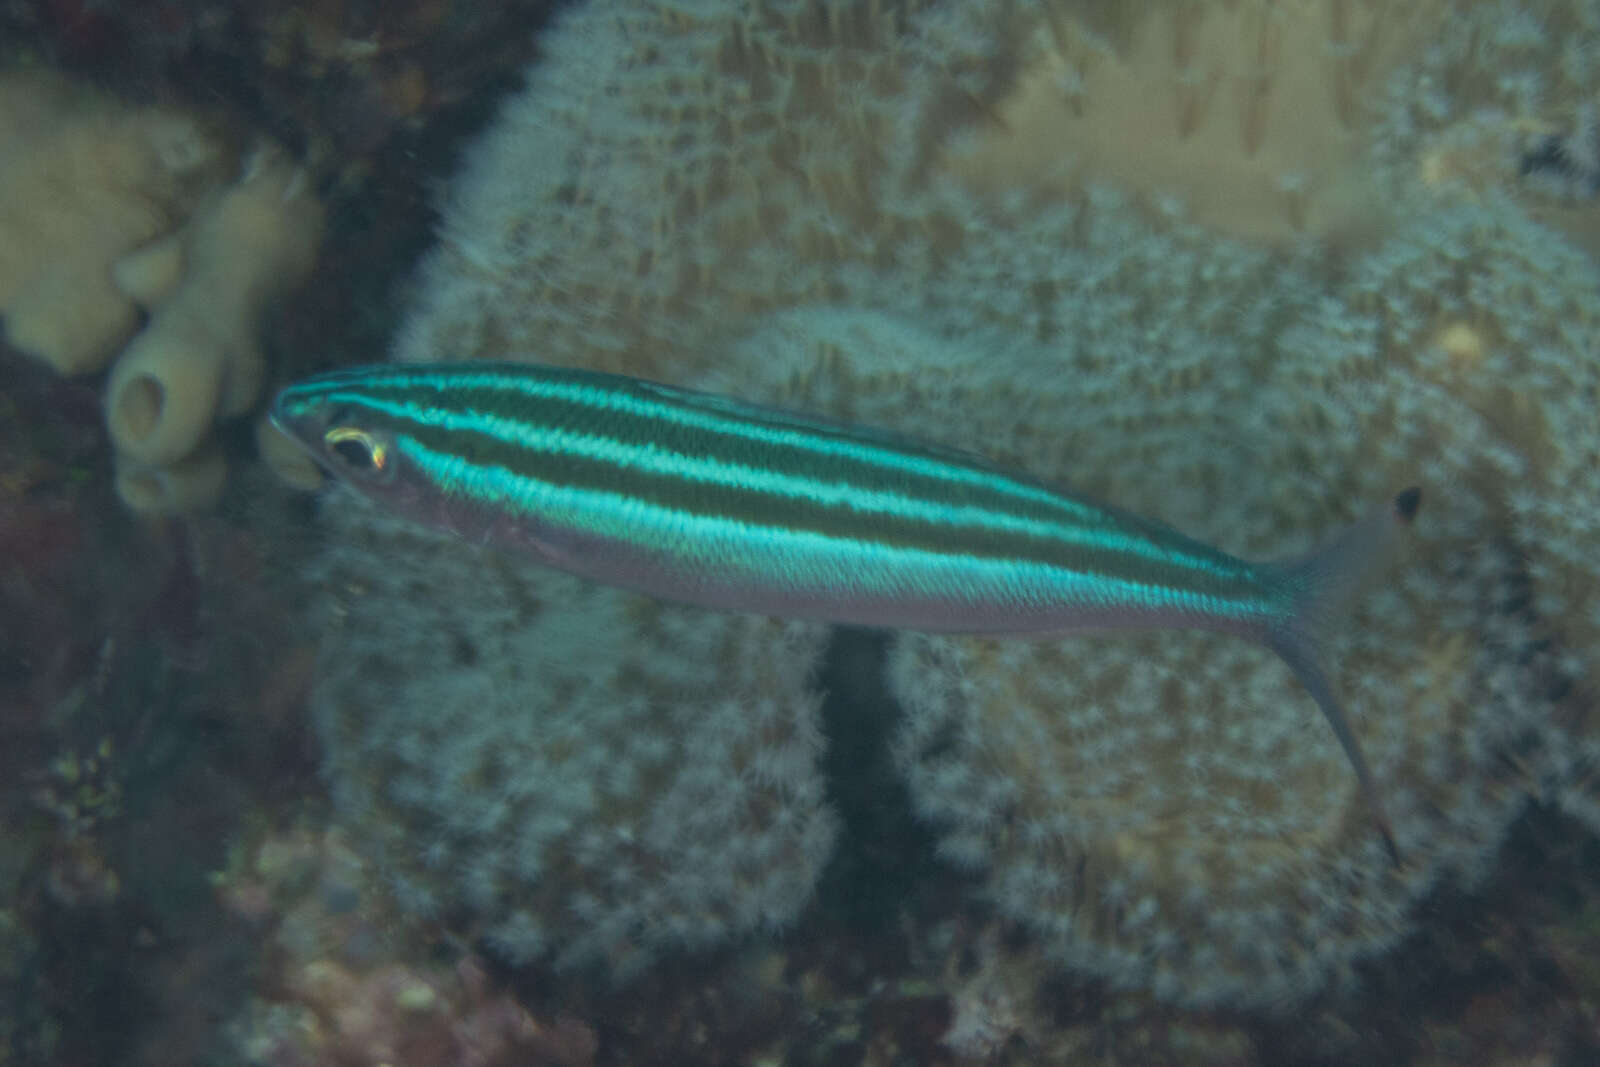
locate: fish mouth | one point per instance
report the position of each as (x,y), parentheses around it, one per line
(280,418)
(302,423)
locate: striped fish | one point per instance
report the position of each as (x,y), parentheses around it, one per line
(707,500)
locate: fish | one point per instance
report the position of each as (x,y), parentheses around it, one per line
(708,500)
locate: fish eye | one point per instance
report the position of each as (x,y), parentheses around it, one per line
(358,451)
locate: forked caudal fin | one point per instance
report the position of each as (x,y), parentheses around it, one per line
(1321,587)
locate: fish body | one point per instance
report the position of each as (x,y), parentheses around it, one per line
(711,501)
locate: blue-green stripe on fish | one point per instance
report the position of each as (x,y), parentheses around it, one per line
(712,501)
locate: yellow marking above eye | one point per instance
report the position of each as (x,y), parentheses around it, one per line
(375,451)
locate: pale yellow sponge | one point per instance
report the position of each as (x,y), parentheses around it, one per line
(199,357)
(84,182)
(107,210)
(193,483)
(1256,115)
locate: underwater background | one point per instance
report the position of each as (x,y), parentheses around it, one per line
(285,780)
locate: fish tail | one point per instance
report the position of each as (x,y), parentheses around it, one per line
(1321,586)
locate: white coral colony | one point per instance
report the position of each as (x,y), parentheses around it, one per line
(820,205)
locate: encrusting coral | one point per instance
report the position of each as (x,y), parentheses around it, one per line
(672,753)
(779,196)
(339,987)
(107,211)
(580,773)
(1169,809)
(682,167)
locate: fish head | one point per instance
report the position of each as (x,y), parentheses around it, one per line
(347,425)
(366,427)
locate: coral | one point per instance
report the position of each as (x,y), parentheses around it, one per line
(659,762)
(1269,122)
(1503,99)
(85,183)
(695,166)
(82,795)
(794,204)
(579,773)
(987,1007)
(1185,874)
(340,991)
(678,169)
(1380,375)
(1167,809)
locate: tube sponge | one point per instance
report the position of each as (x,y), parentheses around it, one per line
(106,210)
(191,484)
(199,356)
